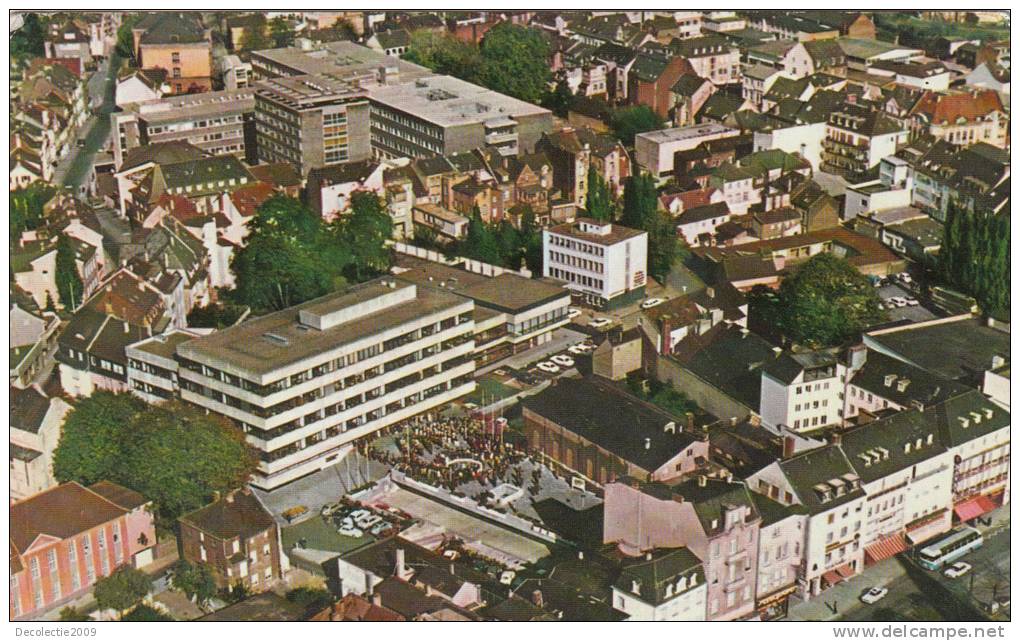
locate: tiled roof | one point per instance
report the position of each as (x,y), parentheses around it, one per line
(939,108)
(62,512)
(239,514)
(28,408)
(663,570)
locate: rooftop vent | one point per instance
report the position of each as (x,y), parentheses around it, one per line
(902,384)
(890,379)
(276,338)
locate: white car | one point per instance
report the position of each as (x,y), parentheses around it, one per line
(957,570)
(911,302)
(905,278)
(896,301)
(651,302)
(874,595)
(563,360)
(548,367)
(350,531)
(599,323)
(573,312)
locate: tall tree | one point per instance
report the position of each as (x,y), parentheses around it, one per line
(559,99)
(27,42)
(280,32)
(255,35)
(125,38)
(515,61)
(69,285)
(367,229)
(531,240)
(630,121)
(825,302)
(641,211)
(91,446)
(123,589)
(194,580)
(444,54)
(598,201)
(26,207)
(480,242)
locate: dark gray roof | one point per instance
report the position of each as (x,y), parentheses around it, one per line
(236,515)
(947,416)
(28,409)
(773,511)
(713,499)
(805,471)
(664,568)
(704,212)
(903,439)
(612,419)
(26,454)
(876,376)
(730,359)
(958,350)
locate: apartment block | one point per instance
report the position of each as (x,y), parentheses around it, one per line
(654,151)
(311,121)
(306,382)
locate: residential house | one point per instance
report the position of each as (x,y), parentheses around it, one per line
(689,94)
(180,45)
(711,57)
(329,189)
(36,420)
(962,118)
(857,139)
(664,585)
(237,538)
(33,333)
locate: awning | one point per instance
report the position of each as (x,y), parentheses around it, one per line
(987,503)
(885,548)
(837,574)
(969,509)
(832,577)
(846,570)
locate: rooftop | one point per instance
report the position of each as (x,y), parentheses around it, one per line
(615,233)
(676,134)
(239,514)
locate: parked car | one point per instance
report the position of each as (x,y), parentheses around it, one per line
(874,595)
(905,278)
(599,323)
(573,312)
(548,367)
(957,570)
(911,302)
(651,302)
(563,360)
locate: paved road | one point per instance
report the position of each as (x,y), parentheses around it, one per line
(73,170)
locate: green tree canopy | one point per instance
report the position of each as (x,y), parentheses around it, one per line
(126,39)
(559,99)
(365,232)
(641,211)
(280,32)
(194,580)
(123,589)
(974,257)
(515,61)
(824,302)
(256,34)
(27,42)
(146,613)
(70,289)
(26,211)
(598,200)
(630,121)
(443,53)
(174,455)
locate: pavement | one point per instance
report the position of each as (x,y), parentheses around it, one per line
(915,314)
(562,338)
(73,169)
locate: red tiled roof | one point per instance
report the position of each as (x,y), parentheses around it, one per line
(248,198)
(942,108)
(62,512)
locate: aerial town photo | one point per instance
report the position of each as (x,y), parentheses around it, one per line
(493,315)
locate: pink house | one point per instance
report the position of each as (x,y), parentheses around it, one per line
(64,539)
(716,519)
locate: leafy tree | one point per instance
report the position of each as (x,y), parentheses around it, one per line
(515,61)
(662,245)
(531,239)
(26,207)
(280,32)
(27,42)
(235,593)
(825,302)
(366,231)
(69,285)
(630,121)
(444,54)
(559,99)
(177,456)
(71,613)
(256,34)
(123,589)
(217,315)
(974,257)
(346,29)
(174,455)
(598,201)
(480,243)
(195,581)
(145,613)
(126,39)
(92,440)
(312,599)
(641,211)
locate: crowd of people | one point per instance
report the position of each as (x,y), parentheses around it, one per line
(424,447)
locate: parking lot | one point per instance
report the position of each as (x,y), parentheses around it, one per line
(893,293)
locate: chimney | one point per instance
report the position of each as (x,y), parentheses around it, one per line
(648,556)
(690,421)
(536,598)
(377,599)
(789,447)
(710,292)
(402,571)
(858,356)
(702,480)
(836,438)
(648,443)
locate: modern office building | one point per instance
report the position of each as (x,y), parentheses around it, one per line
(311,121)
(603,264)
(217,122)
(305,382)
(443,115)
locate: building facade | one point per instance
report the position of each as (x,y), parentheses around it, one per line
(603,264)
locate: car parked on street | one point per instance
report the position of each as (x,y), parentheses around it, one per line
(651,302)
(563,360)
(599,323)
(957,570)
(548,367)
(874,595)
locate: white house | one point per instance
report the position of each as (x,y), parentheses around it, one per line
(665,585)
(603,264)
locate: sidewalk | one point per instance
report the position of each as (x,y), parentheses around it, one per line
(847,594)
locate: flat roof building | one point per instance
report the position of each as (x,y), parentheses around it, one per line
(654,150)
(305,382)
(603,264)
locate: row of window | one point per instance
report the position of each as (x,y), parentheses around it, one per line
(571,277)
(567,243)
(576,261)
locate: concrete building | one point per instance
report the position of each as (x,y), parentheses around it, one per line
(604,265)
(311,121)
(306,382)
(35,422)
(217,122)
(802,391)
(893,189)
(443,115)
(64,539)
(654,150)
(857,139)
(179,44)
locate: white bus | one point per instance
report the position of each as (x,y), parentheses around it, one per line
(950,548)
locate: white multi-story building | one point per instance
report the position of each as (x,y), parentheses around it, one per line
(666,585)
(305,382)
(802,391)
(654,150)
(603,264)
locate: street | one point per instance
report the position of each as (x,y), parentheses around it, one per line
(71,172)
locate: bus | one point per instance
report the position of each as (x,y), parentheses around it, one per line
(953,302)
(959,542)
